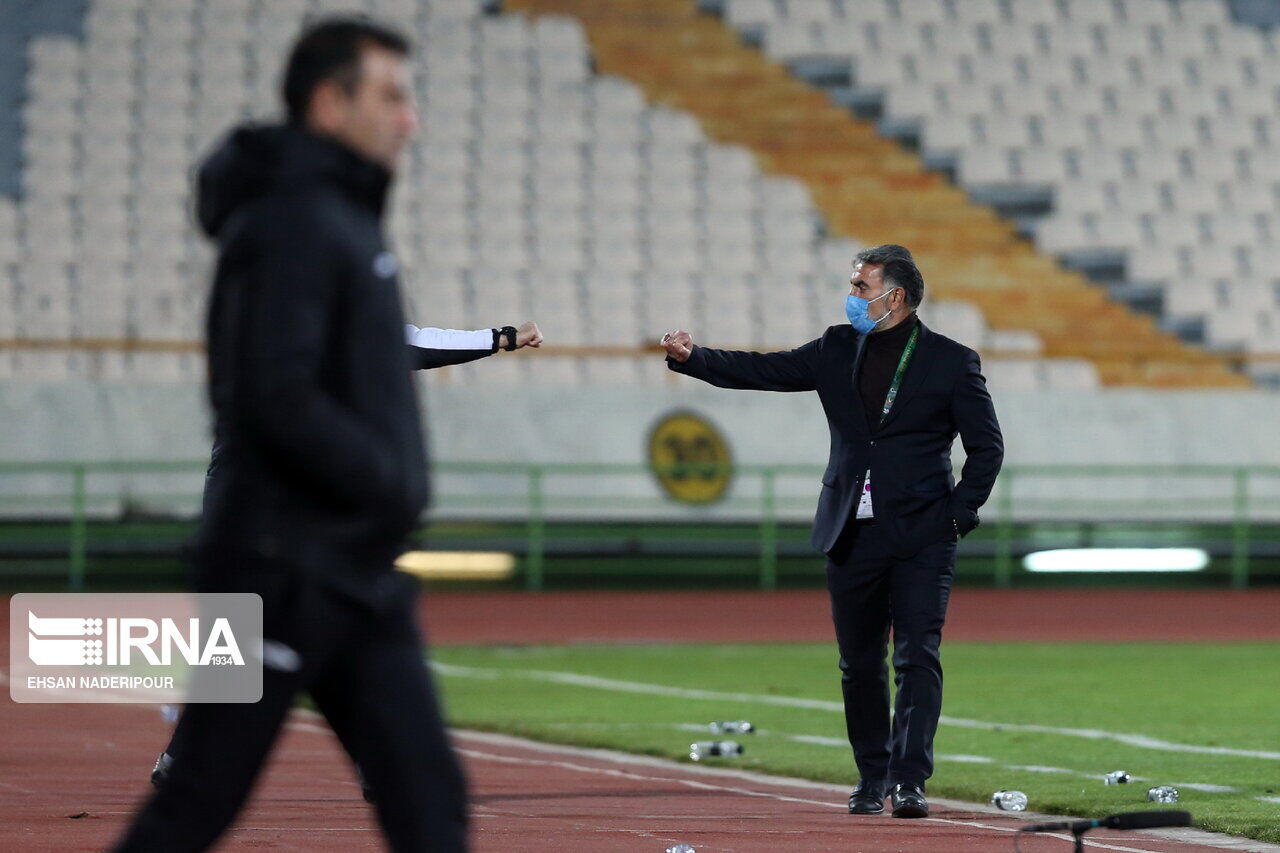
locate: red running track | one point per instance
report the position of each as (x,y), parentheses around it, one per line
(71,774)
(74,773)
(738,616)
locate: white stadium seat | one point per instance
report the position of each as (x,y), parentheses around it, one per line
(1139,109)
(530,175)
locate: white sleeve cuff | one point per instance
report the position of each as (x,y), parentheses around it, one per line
(448,339)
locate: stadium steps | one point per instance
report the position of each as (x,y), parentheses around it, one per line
(870,187)
(20,21)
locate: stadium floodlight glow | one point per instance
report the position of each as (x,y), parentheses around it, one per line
(458,565)
(1117,560)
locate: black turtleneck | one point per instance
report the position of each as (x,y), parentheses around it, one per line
(879,361)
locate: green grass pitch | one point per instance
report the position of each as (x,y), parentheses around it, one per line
(1179,699)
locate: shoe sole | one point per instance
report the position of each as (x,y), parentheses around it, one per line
(160,773)
(910,811)
(867,811)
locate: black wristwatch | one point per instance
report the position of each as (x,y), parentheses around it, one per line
(510,333)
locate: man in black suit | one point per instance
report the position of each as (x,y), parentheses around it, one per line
(896,395)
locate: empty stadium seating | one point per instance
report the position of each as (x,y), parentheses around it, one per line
(1151,124)
(874,189)
(537,189)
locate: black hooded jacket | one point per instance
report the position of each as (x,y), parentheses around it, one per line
(321,462)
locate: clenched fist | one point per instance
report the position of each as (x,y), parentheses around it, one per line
(528,335)
(679,345)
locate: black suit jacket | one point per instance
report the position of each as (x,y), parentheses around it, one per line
(913,491)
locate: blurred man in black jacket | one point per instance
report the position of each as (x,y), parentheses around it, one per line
(321,469)
(896,395)
(429,348)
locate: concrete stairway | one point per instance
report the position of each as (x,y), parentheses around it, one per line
(871,188)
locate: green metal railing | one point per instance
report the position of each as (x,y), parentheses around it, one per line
(527,493)
(77,497)
(1184,507)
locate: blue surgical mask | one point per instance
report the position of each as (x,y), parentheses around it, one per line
(855,308)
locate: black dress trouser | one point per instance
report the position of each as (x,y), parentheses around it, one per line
(365,671)
(872,591)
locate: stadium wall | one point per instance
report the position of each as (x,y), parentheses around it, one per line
(612,426)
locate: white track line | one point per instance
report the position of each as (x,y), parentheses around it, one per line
(841,743)
(1191,836)
(828,792)
(598,683)
(727,789)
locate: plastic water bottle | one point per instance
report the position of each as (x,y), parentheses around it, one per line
(1009,801)
(1116,777)
(708,748)
(1163,794)
(681,848)
(731,727)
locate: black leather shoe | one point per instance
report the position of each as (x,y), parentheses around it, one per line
(867,798)
(160,773)
(909,801)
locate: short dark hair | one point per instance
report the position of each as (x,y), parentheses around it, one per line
(900,269)
(329,49)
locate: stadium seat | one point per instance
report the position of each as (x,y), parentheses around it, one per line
(1004,375)
(529,171)
(1195,80)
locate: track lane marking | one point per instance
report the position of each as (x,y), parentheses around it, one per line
(729,789)
(957,758)
(1183,836)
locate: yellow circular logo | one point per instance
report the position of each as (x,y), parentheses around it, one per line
(690,458)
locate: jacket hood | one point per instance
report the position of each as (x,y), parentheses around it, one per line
(256,160)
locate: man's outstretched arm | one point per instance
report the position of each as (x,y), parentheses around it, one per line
(789,370)
(430,347)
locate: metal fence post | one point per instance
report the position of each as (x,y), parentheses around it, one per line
(1004,531)
(79,529)
(1240,531)
(768,530)
(533,578)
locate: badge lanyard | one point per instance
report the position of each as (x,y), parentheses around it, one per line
(897,374)
(864,502)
